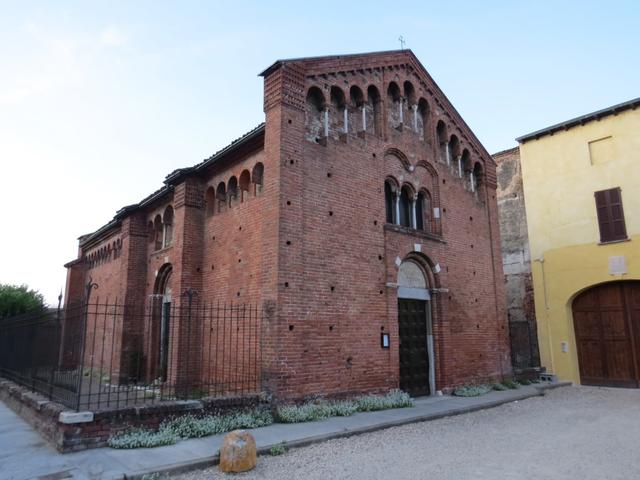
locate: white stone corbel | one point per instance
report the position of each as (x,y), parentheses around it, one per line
(326,121)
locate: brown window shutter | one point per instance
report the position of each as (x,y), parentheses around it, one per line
(610,215)
(617,214)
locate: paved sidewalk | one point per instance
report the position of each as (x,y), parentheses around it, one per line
(25,455)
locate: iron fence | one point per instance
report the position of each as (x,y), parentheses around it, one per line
(98,355)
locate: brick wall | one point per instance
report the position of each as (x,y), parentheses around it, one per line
(310,245)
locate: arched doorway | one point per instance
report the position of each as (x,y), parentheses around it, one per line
(417,369)
(606,320)
(161,324)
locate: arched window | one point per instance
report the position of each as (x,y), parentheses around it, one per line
(410,106)
(406,200)
(372,114)
(424,211)
(150,232)
(422,120)
(232,191)
(167,226)
(390,190)
(394,108)
(221,196)
(339,116)
(315,115)
(465,167)
(454,150)
(358,119)
(257,177)
(157,232)
(443,144)
(210,201)
(245,184)
(477,177)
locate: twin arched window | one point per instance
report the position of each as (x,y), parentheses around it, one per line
(403,207)
(161,229)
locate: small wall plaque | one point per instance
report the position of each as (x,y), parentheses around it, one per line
(385,341)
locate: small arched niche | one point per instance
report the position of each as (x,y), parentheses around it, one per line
(372,115)
(394,105)
(314,113)
(357,113)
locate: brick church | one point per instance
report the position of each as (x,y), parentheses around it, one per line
(360,217)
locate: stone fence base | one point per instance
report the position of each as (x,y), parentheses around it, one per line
(69,431)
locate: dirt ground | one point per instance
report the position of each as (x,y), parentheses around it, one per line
(571,433)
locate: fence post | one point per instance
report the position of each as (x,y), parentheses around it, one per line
(190,293)
(88,288)
(54,364)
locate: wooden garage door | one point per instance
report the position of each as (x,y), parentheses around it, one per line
(607,325)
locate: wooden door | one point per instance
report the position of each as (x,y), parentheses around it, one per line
(414,358)
(607,326)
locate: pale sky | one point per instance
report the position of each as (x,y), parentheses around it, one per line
(100,100)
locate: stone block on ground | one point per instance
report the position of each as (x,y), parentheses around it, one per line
(238,452)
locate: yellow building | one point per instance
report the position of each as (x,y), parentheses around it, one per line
(582,197)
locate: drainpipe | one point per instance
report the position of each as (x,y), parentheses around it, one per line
(546,313)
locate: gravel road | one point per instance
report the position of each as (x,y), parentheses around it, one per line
(571,433)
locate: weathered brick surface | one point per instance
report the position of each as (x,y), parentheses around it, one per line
(516,261)
(311,247)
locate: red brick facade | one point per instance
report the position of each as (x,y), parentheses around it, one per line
(305,234)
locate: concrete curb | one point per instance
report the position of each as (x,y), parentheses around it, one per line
(205,462)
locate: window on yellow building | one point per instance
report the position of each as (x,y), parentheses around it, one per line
(610,215)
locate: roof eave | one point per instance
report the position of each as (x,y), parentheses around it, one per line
(581,120)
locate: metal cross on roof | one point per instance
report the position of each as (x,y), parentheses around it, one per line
(402,42)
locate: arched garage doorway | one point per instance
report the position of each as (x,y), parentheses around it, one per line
(606,320)
(417,371)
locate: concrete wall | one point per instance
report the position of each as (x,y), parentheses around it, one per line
(561,172)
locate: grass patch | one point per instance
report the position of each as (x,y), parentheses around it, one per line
(278,449)
(472,390)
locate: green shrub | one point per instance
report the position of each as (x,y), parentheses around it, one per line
(278,449)
(524,381)
(472,390)
(393,399)
(345,408)
(510,384)
(308,412)
(499,387)
(190,426)
(142,438)
(319,410)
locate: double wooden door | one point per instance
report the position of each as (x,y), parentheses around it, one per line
(607,326)
(414,356)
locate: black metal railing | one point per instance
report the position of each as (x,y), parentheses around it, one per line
(97,355)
